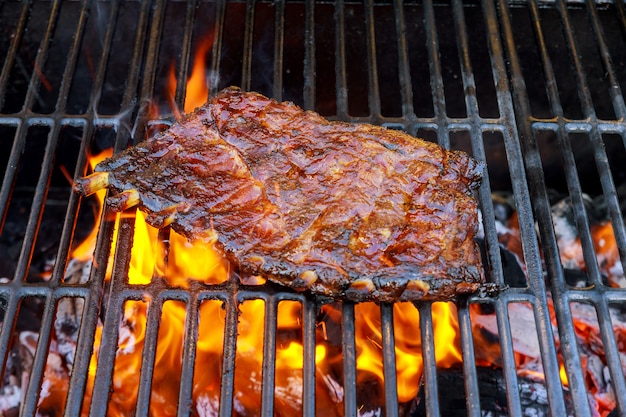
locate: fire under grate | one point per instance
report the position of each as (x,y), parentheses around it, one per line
(533,89)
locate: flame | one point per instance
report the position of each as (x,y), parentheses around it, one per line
(607,253)
(447,351)
(563,375)
(197,88)
(84,251)
(408,349)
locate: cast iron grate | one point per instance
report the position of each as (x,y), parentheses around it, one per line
(487,77)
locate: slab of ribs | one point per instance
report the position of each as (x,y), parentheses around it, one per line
(348,211)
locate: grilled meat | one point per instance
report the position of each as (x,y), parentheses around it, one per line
(350,211)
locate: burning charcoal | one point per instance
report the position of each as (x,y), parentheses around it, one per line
(570,248)
(335,390)
(503,206)
(512,271)
(575,277)
(207,407)
(10,398)
(69,311)
(595,370)
(492,388)
(566,234)
(522,328)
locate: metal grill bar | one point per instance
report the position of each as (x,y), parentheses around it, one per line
(389,360)
(436,77)
(181,87)
(465,326)
(309,55)
(561,298)
(349,360)
(431,391)
(602,163)
(527,227)
(469,368)
(571,356)
(192,321)
(90,315)
(9,61)
(269,357)
(246,64)
(230,349)
(308,372)
(341,86)
(279,38)
(216,52)
(372,65)
(404,71)
(22,128)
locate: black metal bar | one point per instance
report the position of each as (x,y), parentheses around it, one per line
(36,212)
(89,318)
(90,315)
(148,74)
(602,163)
(185,54)
(279,38)
(8,180)
(469,361)
(248,35)
(16,40)
(144,391)
(110,329)
(349,360)
(404,69)
(521,191)
(431,390)
(614,89)
(486,206)
(309,55)
(436,77)
(216,51)
(540,201)
(571,356)
(185,400)
(372,65)
(29,408)
(389,360)
(85,143)
(229,352)
(43,182)
(621,13)
(8,326)
(309,313)
(612,354)
(341,81)
(508,358)
(269,358)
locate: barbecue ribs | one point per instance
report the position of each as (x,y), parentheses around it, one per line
(349,211)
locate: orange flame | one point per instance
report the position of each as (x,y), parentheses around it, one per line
(409,364)
(84,251)
(197,90)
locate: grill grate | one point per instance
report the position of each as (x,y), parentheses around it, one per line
(312,53)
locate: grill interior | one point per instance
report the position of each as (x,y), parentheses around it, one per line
(534,89)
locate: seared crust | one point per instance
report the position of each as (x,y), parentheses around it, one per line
(349,211)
